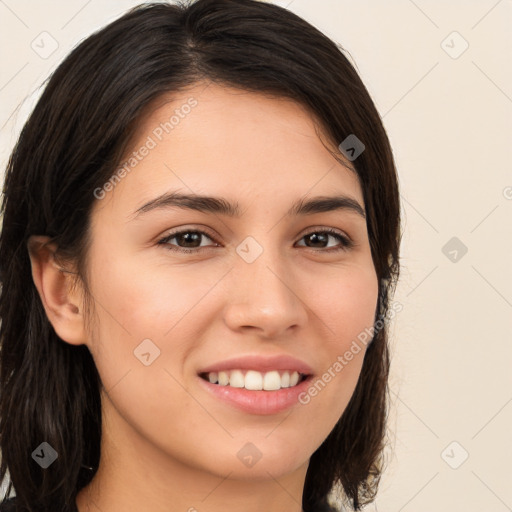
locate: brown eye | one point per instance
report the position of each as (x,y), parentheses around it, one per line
(320,240)
(186,240)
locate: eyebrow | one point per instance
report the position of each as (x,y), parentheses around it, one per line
(219,205)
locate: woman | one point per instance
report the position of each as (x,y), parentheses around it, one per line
(200,237)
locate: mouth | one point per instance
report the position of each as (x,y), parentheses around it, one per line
(254,392)
(254,380)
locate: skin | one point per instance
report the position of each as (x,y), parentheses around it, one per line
(167,444)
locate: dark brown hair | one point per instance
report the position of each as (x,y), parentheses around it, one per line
(71,145)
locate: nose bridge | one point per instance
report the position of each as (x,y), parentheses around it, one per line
(264,295)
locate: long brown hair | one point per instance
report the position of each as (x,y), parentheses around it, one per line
(71,145)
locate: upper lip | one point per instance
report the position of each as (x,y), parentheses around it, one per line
(261,364)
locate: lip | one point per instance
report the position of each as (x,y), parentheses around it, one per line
(260,364)
(257,402)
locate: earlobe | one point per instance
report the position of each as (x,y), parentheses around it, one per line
(54,283)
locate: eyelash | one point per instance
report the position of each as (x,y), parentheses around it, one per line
(346,243)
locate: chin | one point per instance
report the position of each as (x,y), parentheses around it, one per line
(253,464)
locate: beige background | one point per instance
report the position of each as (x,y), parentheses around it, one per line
(448,113)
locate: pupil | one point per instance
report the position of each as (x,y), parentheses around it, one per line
(191,237)
(322,237)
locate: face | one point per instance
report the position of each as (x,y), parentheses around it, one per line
(180,292)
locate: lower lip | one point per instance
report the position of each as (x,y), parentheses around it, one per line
(258,402)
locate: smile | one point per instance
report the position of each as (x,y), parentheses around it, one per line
(255,380)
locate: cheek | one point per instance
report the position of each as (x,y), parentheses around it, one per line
(346,307)
(346,303)
(136,303)
(147,298)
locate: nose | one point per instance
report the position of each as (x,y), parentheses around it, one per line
(265,296)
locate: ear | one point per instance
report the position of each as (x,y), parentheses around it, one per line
(62,303)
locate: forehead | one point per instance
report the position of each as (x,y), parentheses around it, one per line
(230,142)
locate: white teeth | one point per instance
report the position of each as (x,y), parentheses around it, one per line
(294,378)
(272,381)
(236,379)
(223,378)
(255,381)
